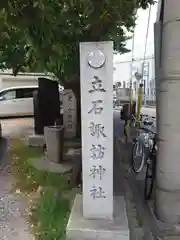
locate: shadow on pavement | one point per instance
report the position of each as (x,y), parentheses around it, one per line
(4,153)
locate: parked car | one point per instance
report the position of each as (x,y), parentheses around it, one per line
(18,101)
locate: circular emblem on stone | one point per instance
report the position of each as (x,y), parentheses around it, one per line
(96,59)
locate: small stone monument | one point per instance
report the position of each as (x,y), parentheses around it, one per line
(70,114)
(97,214)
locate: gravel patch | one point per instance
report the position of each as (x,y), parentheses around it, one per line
(13,225)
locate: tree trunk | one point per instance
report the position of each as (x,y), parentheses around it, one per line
(75,86)
(77,93)
(168,163)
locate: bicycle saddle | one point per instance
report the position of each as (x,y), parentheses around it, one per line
(148,122)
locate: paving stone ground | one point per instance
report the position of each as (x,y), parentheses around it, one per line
(13,223)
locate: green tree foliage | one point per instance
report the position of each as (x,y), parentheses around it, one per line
(44,35)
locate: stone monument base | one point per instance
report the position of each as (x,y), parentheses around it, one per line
(45,165)
(71,144)
(80,228)
(36,140)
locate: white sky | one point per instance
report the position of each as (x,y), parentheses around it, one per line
(140,36)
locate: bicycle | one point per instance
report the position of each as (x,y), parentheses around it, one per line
(150,170)
(138,154)
(148,158)
(140,146)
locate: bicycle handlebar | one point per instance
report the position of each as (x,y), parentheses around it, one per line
(147,130)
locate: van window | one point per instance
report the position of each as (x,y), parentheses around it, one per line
(25,92)
(8,94)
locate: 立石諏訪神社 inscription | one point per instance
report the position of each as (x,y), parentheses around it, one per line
(96,62)
(97,130)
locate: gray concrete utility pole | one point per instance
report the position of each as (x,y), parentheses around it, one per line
(168,114)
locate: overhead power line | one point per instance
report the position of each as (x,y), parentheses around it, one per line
(146,40)
(145,50)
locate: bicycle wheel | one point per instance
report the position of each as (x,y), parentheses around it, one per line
(150,177)
(138,157)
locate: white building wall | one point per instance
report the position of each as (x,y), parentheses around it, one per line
(22,79)
(10,81)
(122,74)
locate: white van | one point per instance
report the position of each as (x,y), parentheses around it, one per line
(17,101)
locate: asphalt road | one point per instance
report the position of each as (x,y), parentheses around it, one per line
(14,127)
(118,124)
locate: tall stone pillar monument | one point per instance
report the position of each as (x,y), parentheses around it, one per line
(168,162)
(97,130)
(97,214)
